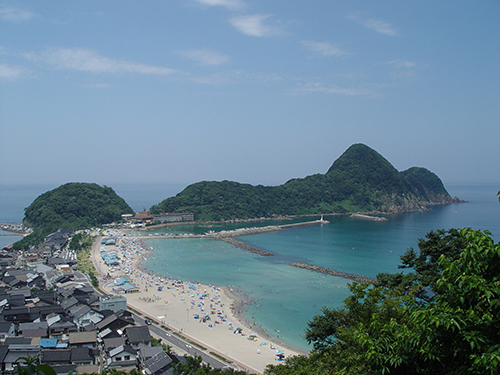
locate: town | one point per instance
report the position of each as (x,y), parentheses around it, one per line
(50,310)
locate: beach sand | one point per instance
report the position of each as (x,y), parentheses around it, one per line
(182,306)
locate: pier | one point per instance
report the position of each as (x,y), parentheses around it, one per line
(327,271)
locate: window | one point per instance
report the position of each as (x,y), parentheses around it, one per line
(126,358)
(118,359)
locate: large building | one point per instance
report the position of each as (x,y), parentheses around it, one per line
(112,302)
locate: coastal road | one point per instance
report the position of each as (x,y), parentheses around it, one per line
(176,342)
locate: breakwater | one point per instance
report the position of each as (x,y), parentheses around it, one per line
(244,246)
(327,271)
(368,217)
(258,230)
(228,236)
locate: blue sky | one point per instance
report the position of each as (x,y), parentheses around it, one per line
(259,92)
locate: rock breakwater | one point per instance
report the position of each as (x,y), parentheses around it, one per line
(244,246)
(327,271)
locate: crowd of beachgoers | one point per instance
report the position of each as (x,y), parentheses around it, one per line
(203,313)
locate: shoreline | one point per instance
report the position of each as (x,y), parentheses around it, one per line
(181,305)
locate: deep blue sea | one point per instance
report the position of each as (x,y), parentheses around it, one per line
(284,297)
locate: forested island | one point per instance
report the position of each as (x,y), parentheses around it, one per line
(75,205)
(360,180)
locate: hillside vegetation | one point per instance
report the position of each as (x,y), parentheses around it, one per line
(360,180)
(75,205)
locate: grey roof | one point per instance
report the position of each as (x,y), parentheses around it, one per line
(103,323)
(56,355)
(82,337)
(40,332)
(158,363)
(77,314)
(18,341)
(114,342)
(69,302)
(122,348)
(3,352)
(147,352)
(138,334)
(29,326)
(82,354)
(5,326)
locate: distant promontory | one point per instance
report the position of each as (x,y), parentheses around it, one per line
(360,180)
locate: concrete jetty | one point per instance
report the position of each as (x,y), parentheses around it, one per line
(327,271)
(258,230)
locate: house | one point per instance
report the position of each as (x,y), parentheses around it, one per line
(34,329)
(116,321)
(138,336)
(56,356)
(113,342)
(159,364)
(59,325)
(4,349)
(69,303)
(122,356)
(84,315)
(148,352)
(16,351)
(7,329)
(82,356)
(83,339)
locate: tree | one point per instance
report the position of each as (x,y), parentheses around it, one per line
(460,330)
(387,329)
(425,263)
(195,366)
(30,366)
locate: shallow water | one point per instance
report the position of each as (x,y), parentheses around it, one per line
(284,297)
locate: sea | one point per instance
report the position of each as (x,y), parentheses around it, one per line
(283,299)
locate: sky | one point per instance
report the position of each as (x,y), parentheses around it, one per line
(254,91)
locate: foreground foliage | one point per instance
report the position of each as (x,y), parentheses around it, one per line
(360,180)
(388,328)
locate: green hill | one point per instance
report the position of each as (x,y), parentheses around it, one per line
(360,180)
(75,206)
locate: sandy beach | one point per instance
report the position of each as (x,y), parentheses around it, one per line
(205,314)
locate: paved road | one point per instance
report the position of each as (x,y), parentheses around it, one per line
(176,342)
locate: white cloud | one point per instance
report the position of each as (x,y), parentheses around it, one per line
(205,56)
(324,48)
(379,26)
(229,4)
(332,89)
(404,69)
(12,72)
(85,60)
(15,14)
(254,25)
(404,64)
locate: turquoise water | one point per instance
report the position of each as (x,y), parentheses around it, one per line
(284,297)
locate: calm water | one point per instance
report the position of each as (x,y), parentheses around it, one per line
(285,298)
